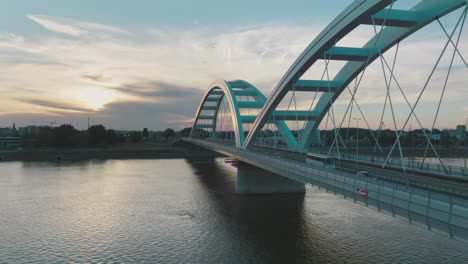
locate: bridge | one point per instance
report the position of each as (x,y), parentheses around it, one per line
(283,142)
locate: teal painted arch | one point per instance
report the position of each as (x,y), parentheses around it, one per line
(228,90)
(399,24)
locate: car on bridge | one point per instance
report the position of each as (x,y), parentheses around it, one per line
(366,174)
(320,160)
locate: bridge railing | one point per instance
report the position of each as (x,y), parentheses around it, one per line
(409,164)
(398,178)
(450,170)
(441,213)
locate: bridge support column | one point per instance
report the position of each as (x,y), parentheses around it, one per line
(253,180)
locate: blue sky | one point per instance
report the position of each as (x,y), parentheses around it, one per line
(134,64)
(156,13)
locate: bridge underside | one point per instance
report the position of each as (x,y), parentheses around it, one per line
(441,213)
(254,180)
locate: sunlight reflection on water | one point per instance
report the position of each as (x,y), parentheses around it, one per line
(172,211)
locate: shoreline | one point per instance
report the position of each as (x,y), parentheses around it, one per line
(89,154)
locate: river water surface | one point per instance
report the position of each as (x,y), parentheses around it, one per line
(175,211)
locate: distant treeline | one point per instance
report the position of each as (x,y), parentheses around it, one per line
(361,136)
(387,137)
(97,136)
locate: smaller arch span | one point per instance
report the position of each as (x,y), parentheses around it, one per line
(229,90)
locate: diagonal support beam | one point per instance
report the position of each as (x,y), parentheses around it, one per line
(394,18)
(250,104)
(347,54)
(250,119)
(206,117)
(213,99)
(453,44)
(295,115)
(316,86)
(245,93)
(209,107)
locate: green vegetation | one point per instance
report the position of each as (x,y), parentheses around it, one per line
(169,133)
(185,132)
(97,136)
(387,137)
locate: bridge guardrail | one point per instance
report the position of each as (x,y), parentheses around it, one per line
(451,170)
(437,212)
(410,164)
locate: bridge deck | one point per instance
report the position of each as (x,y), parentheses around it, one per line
(442,213)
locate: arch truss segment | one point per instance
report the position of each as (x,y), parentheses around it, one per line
(397,25)
(204,124)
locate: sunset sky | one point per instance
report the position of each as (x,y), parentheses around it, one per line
(135,64)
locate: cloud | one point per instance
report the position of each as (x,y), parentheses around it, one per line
(157,89)
(54,105)
(184,120)
(96,78)
(55,26)
(142,114)
(157,76)
(99,27)
(72,27)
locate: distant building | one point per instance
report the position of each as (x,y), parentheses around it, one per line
(10,143)
(460,132)
(436,136)
(6,132)
(158,135)
(29,130)
(124,133)
(451,132)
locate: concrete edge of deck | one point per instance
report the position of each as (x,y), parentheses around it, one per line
(439,213)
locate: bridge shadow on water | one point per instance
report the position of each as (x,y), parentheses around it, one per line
(274,227)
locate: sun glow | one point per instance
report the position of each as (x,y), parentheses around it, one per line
(96,98)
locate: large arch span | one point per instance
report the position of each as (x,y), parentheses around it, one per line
(396,25)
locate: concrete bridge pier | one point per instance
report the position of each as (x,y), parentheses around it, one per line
(253,180)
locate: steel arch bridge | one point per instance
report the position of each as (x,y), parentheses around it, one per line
(422,195)
(396,26)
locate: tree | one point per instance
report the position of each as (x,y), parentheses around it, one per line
(44,137)
(68,136)
(135,136)
(410,139)
(97,136)
(145,133)
(112,137)
(387,137)
(169,133)
(80,139)
(63,136)
(185,132)
(445,139)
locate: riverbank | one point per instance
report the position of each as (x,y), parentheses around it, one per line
(178,150)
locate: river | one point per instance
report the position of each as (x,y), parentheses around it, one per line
(175,211)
